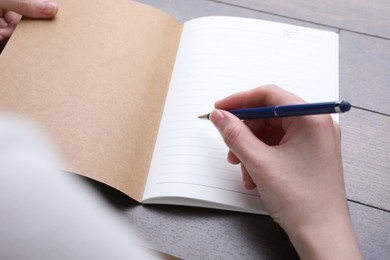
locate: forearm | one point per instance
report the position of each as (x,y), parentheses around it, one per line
(332,239)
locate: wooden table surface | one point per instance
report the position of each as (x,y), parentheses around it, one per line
(364,29)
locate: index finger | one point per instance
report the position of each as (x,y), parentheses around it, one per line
(269,95)
(32,8)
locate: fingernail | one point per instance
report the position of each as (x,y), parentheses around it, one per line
(49,8)
(216,103)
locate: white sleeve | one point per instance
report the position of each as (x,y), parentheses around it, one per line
(47,214)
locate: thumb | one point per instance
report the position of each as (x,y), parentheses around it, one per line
(237,136)
(31,8)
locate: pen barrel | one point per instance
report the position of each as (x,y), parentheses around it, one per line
(307,109)
(254,113)
(292,110)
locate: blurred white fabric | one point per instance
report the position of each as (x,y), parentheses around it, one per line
(47,214)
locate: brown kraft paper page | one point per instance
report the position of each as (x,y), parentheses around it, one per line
(95,78)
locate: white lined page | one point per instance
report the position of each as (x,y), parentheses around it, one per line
(219,56)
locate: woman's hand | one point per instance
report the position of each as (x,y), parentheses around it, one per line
(295,164)
(11,12)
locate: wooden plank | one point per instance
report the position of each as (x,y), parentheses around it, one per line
(189,9)
(366,155)
(364,71)
(364,77)
(372,229)
(198,233)
(367,17)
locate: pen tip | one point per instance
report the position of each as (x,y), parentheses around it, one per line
(205,116)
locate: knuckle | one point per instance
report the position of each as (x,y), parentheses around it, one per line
(318,122)
(24,5)
(322,124)
(272,87)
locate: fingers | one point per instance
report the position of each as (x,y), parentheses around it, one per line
(238,137)
(232,158)
(32,8)
(247,179)
(269,95)
(8,22)
(8,18)
(5,33)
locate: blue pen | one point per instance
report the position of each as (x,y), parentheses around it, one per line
(290,110)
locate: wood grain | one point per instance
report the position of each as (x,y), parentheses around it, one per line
(372,229)
(364,71)
(362,16)
(197,233)
(366,157)
(364,60)
(189,9)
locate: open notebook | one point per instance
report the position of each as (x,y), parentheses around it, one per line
(124,110)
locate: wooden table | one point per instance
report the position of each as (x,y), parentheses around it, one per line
(364,29)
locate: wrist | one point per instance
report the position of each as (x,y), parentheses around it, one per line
(332,238)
